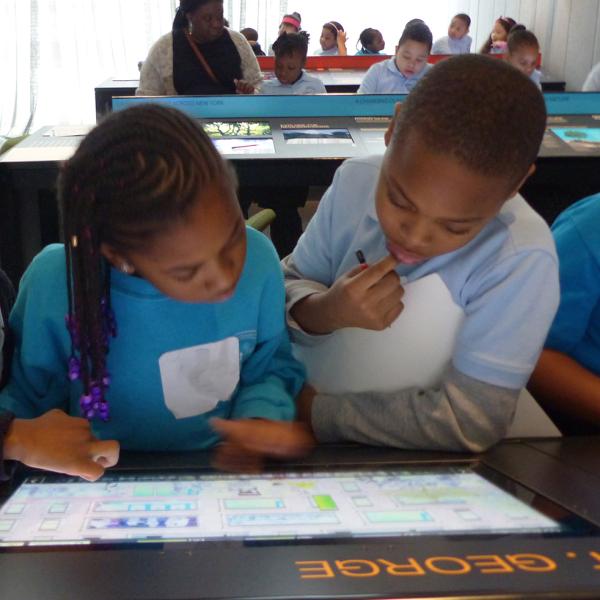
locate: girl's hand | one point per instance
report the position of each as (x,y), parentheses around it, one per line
(366,297)
(342,36)
(243,87)
(57,442)
(247,442)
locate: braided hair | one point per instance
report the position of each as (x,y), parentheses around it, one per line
(288,44)
(136,173)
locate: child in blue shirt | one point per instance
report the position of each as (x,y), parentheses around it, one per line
(523,50)
(459,280)
(174,311)
(458,40)
(567,378)
(332,40)
(371,42)
(401,73)
(290,78)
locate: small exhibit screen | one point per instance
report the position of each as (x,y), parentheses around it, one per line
(581,139)
(47,510)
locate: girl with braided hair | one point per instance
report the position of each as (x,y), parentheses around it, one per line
(174,310)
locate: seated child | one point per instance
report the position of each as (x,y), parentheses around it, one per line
(497,42)
(155,245)
(252,36)
(457,41)
(444,236)
(403,71)
(523,50)
(371,42)
(290,78)
(289,24)
(566,380)
(333,40)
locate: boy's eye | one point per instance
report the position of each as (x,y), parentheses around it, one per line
(455,230)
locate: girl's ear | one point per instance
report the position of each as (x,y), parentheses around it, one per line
(116,259)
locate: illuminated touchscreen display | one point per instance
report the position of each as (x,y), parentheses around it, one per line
(46,510)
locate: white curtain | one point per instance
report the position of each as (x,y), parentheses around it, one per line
(54,52)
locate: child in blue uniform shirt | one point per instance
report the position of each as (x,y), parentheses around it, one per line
(523,50)
(458,40)
(371,42)
(452,257)
(290,78)
(332,40)
(566,380)
(174,311)
(403,71)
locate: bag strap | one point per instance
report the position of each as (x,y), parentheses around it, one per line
(201,58)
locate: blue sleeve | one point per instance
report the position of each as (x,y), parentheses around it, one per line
(509,309)
(580,287)
(370,80)
(271,377)
(38,378)
(313,254)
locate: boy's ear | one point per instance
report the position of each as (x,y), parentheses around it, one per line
(390,130)
(529,173)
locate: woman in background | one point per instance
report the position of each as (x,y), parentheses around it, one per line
(200,56)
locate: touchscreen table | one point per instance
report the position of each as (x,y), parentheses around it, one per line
(359,503)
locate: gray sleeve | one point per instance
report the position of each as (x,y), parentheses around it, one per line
(296,286)
(463,414)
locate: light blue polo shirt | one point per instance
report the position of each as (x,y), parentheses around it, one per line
(505,280)
(536,77)
(385,78)
(331,52)
(576,329)
(307,84)
(448,45)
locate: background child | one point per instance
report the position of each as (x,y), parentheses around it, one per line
(290,57)
(496,43)
(252,36)
(156,245)
(371,42)
(402,72)
(455,259)
(333,40)
(523,50)
(566,380)
(289,24)
(457,41)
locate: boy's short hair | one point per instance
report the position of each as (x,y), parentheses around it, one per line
(417,32)
(466,19)
(521,38)
(250,34)
(291,43)
(481,111)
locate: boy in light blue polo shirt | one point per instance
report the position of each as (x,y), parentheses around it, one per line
(458,40)
(400,74)
(458,281)
(290,57)
(567,377)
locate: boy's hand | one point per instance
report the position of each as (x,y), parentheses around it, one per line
(243,87)
(366,297)
(57,442)
(247,442)
(304,402)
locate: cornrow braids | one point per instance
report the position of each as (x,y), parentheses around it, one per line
(135,174)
